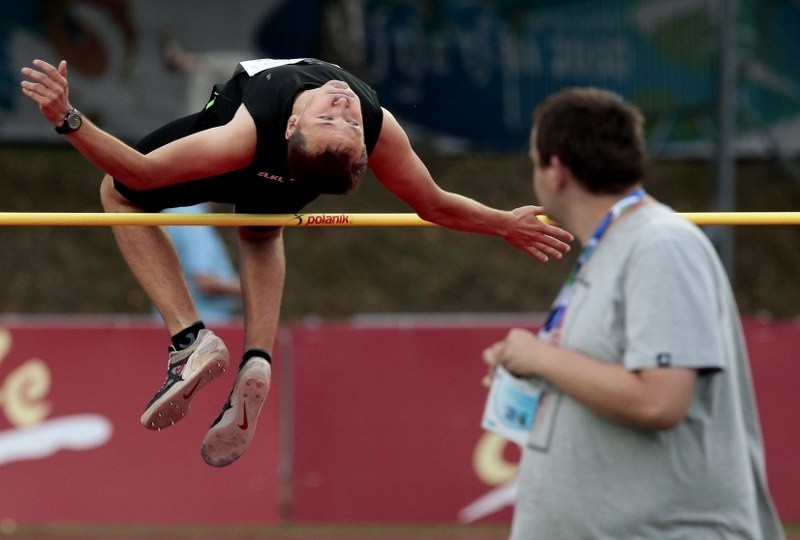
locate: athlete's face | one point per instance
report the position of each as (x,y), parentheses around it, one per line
(333,114)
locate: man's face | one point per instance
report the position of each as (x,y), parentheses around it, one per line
(333,117)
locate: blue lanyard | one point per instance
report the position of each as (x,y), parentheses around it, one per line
(556,316)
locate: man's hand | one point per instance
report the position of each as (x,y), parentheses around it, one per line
(48,87)
(538,238)
(519,353)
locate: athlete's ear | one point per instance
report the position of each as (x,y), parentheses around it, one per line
(291,125)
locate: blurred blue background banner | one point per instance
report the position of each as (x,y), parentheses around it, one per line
(118,76)
(473,70)
(464,72)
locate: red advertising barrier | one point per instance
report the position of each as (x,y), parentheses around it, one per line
(387,421)
(377,420)
(72,448)
(775,362)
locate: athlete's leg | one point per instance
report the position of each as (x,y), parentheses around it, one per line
(262,270)
(202,357)
(197,356)
(150,255)
(149,251)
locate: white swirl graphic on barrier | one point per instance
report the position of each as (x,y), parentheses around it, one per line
(76,432)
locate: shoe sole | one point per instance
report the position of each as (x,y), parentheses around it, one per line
(226,441)
(212,359)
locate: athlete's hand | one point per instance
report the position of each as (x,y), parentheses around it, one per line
(47,86)
(538,238)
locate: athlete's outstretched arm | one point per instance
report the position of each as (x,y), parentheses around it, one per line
(402,172)
(207,153)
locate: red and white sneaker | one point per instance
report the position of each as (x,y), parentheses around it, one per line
(232,431)
(188,371)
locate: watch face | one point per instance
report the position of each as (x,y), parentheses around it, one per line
(74,121)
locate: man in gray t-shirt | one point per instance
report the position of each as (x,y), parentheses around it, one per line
(649,428)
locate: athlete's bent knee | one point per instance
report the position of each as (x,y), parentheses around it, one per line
(111,199)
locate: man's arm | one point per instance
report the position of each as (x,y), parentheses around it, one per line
(657,398)
(205,260)
(402,172)
(211,285)
(210,152)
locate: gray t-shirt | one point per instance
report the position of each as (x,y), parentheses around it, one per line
(653,295)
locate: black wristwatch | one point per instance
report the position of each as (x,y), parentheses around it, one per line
(72,122)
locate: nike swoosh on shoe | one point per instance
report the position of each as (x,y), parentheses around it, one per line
(188,395)
(243,425)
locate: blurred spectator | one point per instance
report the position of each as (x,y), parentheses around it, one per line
(212,278)
(202,69)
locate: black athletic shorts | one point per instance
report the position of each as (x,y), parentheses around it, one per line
(243,189)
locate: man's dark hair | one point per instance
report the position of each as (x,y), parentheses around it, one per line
(332,170)
(596,134)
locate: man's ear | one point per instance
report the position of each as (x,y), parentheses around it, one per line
(562,172)
(291,126)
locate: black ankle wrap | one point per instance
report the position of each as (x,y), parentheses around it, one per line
(260,353)
(186,337)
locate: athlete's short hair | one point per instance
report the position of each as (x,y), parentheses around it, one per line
(596,134)
(333,169)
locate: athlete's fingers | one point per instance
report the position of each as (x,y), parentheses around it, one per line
(544,225)
(37,93)
(29,90)
(554,249)
(37,77)
(541,257)
(51,71)
(556,232)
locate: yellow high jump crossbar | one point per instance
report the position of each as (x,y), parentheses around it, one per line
(91,219)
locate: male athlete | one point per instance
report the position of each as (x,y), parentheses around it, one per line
(270,140)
